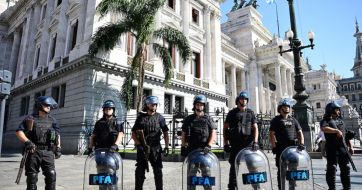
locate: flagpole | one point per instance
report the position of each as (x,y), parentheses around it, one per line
(276,10)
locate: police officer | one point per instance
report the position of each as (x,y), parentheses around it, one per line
(151,125)
(284,131)
(108,131)
(334,131)
(240,131)
(198,132)
(40,134)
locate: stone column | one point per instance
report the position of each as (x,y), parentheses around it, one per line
(284,80)
(14,53)
(268,93)
(23,48)
(278,81)
(243,82)
(233,84)
(185,28)
(261,89)
(253,87)
(45,38)
(62,31)
(31,45)
(216,47)
(207,49)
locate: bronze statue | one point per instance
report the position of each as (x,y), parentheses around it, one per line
(241,4)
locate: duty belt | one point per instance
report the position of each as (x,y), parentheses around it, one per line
(42,147)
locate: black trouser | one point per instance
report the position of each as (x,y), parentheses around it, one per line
(43,159)
(156,163)
(339,157)
(232,174)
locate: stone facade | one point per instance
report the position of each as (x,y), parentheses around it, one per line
(46,48)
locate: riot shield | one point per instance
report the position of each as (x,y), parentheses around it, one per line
(252,170)
(103,170)
(201,170)
(296,170)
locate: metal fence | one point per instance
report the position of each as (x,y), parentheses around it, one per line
(174,123)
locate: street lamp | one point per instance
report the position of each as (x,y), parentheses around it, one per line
(302,111)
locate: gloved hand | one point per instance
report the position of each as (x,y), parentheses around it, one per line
(254,146)
(90,151)
(165,151)
(301,147)
(30,146)
(274,150)
(207,149)
(184,151)
(57,152)
(227,148)
(114,148)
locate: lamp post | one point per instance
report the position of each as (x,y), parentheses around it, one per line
(302,110)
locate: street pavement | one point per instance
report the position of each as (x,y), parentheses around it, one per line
(70,169)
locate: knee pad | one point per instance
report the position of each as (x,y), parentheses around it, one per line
(32,178)
(345,168)
(50,176)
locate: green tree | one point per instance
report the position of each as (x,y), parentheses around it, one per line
(138,18)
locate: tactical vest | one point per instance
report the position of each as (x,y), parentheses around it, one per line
(331,138)
(43,132)
(288,133)
(240,134)
(108,133)
(197,131)
(152,128)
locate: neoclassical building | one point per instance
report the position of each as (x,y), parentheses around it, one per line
(45,45)
(351,88)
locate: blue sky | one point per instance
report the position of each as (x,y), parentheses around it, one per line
(333,23)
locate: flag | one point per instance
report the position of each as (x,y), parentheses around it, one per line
(269,1)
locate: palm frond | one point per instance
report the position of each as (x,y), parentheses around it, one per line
(165,56)
(126,91)
(113,6)
(107,37)
(175,38)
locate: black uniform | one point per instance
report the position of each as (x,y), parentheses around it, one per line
(286,135)
(153,126)
(336,154)
(240,136)
(106,132)
(44,129)
(197,132)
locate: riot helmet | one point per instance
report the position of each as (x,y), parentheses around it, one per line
(109,104)
(199,99)
(244,95)
(150,100)
(45,101)
(330,107)
(285,102)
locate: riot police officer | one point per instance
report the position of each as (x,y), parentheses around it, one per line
(198,132)
(108,131)
(146,133)
(334,131)
(40,134)
(284,131)
(240,131)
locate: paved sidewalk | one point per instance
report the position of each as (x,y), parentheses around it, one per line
(70,174)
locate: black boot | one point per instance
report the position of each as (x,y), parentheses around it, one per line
(232,178)
(50,180)
(331,177)
(140,177)
(345,177)
(31,180)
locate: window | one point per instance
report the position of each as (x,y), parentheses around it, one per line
(73,36)
(130,44)
(196,65)
(178,103)
(352,87)
(53,46)
(171,4)
(168,104)
(314,87)
(345,88)
(58,93)
(24,107)
(360,96)
(195,16)
(36,95)
(353,97)
(172,54)
(318,104)
(37,54)
(347,97)
(43,11)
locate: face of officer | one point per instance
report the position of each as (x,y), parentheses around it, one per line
(243,102)
(285,109)
(199,107)
(152,108)
(45,108)
(108,112)
(336,113)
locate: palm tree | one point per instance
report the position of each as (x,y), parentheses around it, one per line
(138,18)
